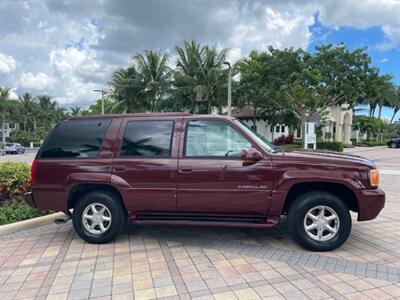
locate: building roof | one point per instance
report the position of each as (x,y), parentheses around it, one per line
(246,111)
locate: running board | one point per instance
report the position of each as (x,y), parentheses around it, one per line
(203,220)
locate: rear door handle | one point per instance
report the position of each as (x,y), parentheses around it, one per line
(185,169)
(119,168)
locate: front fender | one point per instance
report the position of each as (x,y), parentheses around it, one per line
(287,179)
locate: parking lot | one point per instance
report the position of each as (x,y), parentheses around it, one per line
(173,262)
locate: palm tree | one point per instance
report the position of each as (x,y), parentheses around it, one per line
(386,93)
(187,72)
(154,73)
(47,110)
(200,70)
(75,111)
(26,105)
(4,106)
(126,90)
(395,103)
(210,63)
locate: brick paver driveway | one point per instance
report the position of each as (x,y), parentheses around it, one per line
(209,263)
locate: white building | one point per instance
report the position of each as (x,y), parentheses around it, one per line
(336,123)
(9,129)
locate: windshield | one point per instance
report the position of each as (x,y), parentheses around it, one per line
(262,141)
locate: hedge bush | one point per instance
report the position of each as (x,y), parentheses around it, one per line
(18,210)
(332,146)
(14,180)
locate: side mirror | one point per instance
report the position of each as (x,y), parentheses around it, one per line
(250,156)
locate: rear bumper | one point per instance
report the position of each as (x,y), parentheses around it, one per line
(370,203)
(29,199)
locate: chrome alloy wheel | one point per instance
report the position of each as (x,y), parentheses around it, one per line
(96,218)
(321,223)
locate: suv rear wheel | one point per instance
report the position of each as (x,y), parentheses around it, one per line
(319,221)
(98,217)
(393,145)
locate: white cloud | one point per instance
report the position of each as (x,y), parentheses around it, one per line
(40,81)
(7,64)
(281,29)
(384,60)
(46,37)
(73,60)
(13,94)
(77,91)
(362,15)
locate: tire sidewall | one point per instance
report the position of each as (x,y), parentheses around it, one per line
(393,145)
(118,217)
(309,200)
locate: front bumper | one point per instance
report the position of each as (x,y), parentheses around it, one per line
(29,199)
(370,203)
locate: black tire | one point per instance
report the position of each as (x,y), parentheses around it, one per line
(393,145)
(307,201)
(115,208)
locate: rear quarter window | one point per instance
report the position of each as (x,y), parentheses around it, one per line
(76,139)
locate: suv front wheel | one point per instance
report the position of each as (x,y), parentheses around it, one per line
(319,221)
(98,217)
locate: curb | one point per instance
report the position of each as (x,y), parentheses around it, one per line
(31,223)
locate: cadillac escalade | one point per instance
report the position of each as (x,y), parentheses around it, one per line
(178,168)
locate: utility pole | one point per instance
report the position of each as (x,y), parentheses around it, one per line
(103,92)
(229,88)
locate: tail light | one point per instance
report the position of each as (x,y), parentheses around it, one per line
(374,177)
(33,171)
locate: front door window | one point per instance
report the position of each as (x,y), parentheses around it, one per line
(213,139)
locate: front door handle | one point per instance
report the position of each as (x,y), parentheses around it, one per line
(185,169)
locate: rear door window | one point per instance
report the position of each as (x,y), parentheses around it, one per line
(147,139)
(78,138)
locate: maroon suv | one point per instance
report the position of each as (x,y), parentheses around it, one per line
(177,168)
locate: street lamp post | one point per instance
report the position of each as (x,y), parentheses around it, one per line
(103,92)
(229,88)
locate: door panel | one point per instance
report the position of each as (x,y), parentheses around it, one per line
(151,181)
(211,175)
(146,164)
(224,186)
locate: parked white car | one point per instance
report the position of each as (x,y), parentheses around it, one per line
(14,148)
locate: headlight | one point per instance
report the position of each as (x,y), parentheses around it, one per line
(374,177)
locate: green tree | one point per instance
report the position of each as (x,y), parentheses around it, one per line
(76,111)
(186,75)
(4,108)
(210,62)
(27,108)
(386,94)
(395,103)
(127,91)
(153,71)
(95,108)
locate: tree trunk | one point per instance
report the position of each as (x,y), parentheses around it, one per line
(3,127)
(394,114)
(303,131)
(255,119)
(34,125)
(379,135)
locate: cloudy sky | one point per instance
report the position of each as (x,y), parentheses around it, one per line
(68,48)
